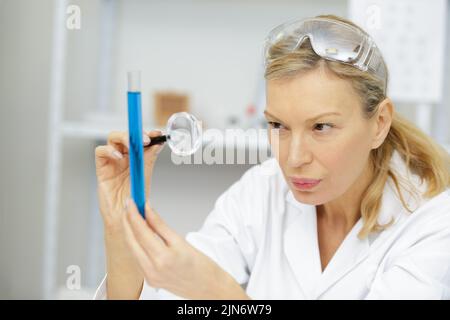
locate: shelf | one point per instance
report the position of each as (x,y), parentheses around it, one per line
(94,130)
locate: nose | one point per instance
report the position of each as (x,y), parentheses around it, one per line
(299,153)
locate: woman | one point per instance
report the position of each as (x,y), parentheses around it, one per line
(357,206)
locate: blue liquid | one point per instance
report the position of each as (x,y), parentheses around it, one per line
(136,151)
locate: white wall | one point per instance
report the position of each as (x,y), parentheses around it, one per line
(25,29)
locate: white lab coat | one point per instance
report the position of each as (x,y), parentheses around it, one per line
(266,239)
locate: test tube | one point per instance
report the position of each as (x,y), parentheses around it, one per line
(136,151)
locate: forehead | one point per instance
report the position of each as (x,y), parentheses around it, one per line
(312,93)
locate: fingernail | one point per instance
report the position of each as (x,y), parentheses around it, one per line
(146,139)
(117,154)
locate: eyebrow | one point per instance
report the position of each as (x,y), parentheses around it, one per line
(308,120)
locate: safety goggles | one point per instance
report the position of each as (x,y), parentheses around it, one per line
(331,40)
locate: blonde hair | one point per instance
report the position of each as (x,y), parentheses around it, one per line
(422,155)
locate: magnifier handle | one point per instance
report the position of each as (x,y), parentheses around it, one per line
(157,140)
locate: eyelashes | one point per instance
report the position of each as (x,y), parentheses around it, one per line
(324,124)
(277,125)
(274,125)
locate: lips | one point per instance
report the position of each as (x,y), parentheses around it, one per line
(304,183)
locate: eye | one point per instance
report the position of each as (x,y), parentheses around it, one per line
(275,125)
(320,126)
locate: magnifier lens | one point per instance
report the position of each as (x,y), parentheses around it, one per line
(184,133)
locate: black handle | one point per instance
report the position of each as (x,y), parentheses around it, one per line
(157,140)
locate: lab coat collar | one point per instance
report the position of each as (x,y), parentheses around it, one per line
(301,241)
(301,248)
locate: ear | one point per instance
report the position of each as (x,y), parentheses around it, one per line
(383,121)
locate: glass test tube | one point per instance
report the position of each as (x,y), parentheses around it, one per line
(136,151)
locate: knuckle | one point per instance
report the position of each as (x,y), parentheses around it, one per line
(99,150)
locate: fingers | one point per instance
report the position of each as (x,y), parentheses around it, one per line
(153,150)
(144,235)
(105,153)
(118,145)
(140,254)
(108,152)
(155,221)
(120,140)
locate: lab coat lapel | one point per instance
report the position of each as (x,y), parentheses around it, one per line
(302,251)
(300,245)
(350,253)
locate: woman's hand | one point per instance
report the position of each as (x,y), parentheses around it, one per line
(125,278)
(168,261)
(113,174)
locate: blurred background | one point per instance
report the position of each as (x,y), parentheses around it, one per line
(63,87)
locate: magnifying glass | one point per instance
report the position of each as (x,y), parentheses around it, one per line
(183,134)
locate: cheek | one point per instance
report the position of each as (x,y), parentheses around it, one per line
(345,162)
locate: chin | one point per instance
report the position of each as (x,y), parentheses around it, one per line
(305,197)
